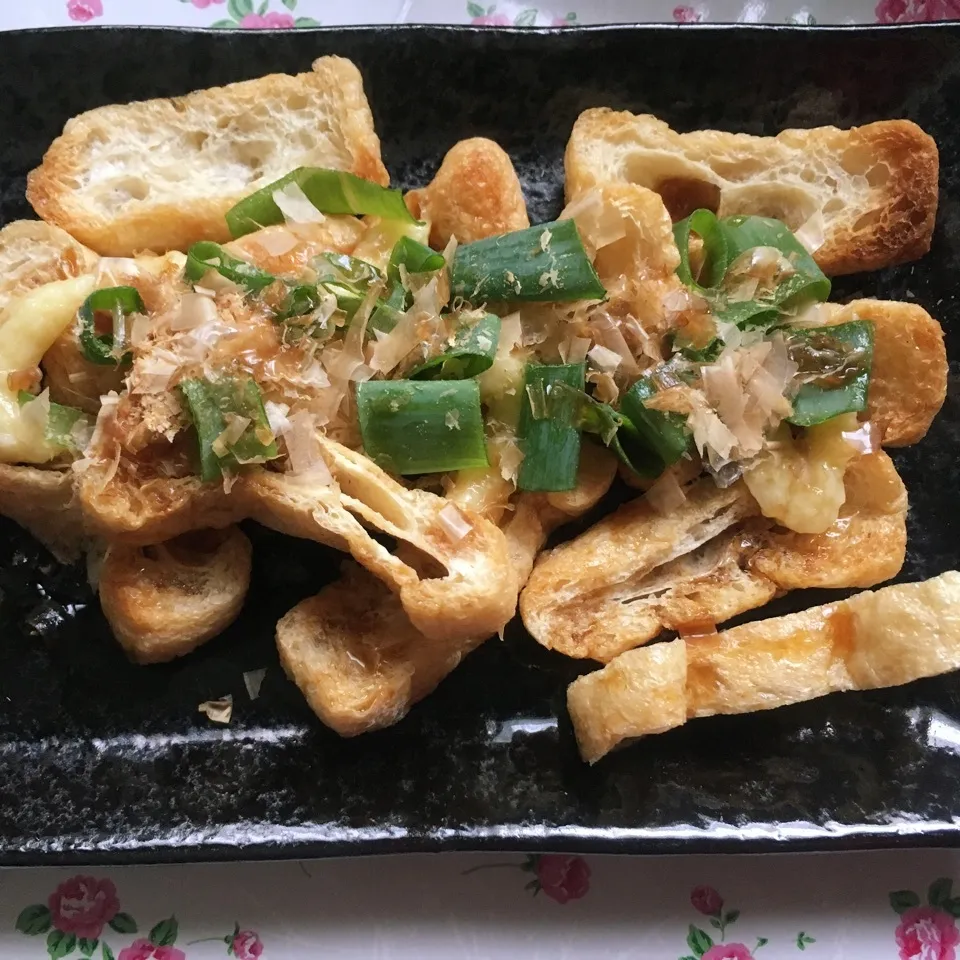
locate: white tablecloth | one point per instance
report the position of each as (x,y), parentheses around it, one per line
(869,906)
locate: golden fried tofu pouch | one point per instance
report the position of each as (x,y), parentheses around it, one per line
(638,572)
(71,378)
(874,639)
(627,230)
(475,194)
(33,253)
(43,501)
(476,594)
(357,658)
(163,601)
(354,652)
(908,382)
(869,194)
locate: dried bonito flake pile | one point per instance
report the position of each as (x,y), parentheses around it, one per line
(433,386)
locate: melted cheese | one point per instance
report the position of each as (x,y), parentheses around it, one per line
(28,327)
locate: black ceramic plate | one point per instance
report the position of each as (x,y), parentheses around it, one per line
(100,760)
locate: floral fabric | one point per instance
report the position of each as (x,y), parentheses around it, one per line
(291,14)
(854,906)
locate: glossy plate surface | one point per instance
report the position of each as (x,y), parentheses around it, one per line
(100,760)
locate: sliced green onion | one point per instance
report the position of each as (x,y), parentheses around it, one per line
(843,355)
(207,255)
(547,263)
(119,302)
(664,433)
(578,409)
(549,439)
(342,268)
(414,257)
(386,314)
(330,191)
(61,422)
(706,354)
(347,278)
(727,239)
(422,426)
(299,301)
(716,258)
(208,401)
(472,351)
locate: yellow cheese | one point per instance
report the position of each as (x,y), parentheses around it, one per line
(28,327)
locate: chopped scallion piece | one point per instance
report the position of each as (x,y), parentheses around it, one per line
(414,257)
(546,263)
(119,303)
(386,314)
(550,441)
(724,243)
(347,278)
(422,426)
(209,403)
(578,409)
(836,363)
(207,255)
(342,268)
(664,433)
(472,352)
(330,191)
(61,428)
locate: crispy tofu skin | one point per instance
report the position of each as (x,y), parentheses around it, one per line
(44,502)
(908,383)
(357,658)
(477,594)
(164,601)
(475,194)
(106,178)
(874,188)
(636,260)
(637,572)
(881,639)
(33,253)
(352,649)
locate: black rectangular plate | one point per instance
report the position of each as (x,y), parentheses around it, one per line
(103,761)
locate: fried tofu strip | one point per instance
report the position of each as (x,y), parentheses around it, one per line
(165,600)
(107,178)
(33,253)
(875,639)
(871,191)
(475,194)
(353,650)
(475,594)
(638,572)
(43,502)
(908,383)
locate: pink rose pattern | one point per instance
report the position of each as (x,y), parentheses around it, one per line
(708,903)
(242,14)
(82,905)
(146,950)
(481,16)
(84,10)
(916,11)
(82,909)
(927,931)
(256,14)
(686,14)
(244,944)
